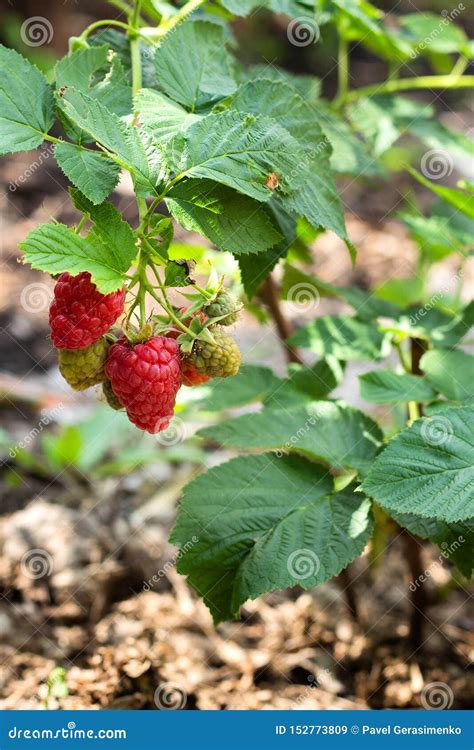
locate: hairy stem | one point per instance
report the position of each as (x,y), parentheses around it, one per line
(451,81)
(179,17)
(135,48)
(271,298)
(413,549)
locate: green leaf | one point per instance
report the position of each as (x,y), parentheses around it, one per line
(308,87)
(237,150)
(133,150)
(359,20)
(428,32)
(232,221)
(331,432)
(91,171)
(278,101)
(463,201)
(343,337)
(252,383)
(402,291)
(161,117)
(428,468)
(56,248)
(436,236)
(366,306)
(192,64)
(349,154)
(456,540)
(451,372)
(26,104)
(305,384)
(97,72)
(259,523)
(387,387)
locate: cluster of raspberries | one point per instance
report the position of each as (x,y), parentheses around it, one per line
(143,378)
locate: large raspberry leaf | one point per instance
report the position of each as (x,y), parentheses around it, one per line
(161,117)
(339,435)
(192,64)
(232,221)
(26,103)
(428,468)
(388,387)
(91,171)
(99,73)
(261,523)
(451,372)
(125,144)
(56,248)
(343,337)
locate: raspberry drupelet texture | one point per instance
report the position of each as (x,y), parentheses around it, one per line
(145,378)
(82,368)
(110,396)
(79,314)
(220,359)
(190,375)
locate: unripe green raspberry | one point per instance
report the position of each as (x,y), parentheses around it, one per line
(218,360)
(82,368)
(224,304)
(110,396)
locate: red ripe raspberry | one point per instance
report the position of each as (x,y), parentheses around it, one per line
(145,378)
(79,315)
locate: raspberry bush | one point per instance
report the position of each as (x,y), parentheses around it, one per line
(248,158)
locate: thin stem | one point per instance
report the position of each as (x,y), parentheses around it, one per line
(135,49)
(460,66)
(406,84)
(179,17)
(166,304)
(343,67)
(271,299)
(99,24)
(84,219)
